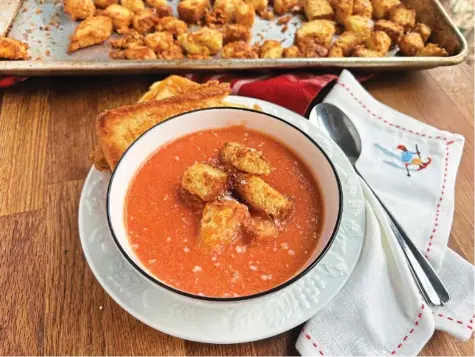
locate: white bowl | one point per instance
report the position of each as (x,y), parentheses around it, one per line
(214,118)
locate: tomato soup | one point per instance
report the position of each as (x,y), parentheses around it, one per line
(163,230)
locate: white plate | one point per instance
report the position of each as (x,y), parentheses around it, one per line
(245,321)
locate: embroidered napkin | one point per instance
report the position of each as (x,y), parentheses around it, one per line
(412,167)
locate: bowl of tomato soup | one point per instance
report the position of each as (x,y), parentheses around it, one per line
(224,204)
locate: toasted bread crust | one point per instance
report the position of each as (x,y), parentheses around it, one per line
(118,128)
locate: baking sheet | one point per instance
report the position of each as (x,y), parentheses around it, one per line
(46,28)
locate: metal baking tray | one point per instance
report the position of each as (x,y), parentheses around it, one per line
(43,25)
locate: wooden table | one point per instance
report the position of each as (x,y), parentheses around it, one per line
(51,303)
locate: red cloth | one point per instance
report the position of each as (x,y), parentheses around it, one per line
(9,81)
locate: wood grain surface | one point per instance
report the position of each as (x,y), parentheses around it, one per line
(51,303)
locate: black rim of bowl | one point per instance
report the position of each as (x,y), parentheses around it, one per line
(155,280)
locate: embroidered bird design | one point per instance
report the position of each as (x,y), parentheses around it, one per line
(412,158)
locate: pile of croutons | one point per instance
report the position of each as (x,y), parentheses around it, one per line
(209,189)
(366,28)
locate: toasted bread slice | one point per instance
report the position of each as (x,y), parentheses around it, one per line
(263,197)
(169,87)
(118,128)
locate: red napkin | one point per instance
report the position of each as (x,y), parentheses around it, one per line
(295,91)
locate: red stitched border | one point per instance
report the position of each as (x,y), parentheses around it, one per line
(314,343)
(439,203)
(411,331)
(469,325)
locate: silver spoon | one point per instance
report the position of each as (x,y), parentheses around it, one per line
(343,132)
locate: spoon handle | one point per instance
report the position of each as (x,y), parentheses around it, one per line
(432,288)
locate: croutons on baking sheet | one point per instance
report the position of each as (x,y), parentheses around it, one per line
(263,197)
(379,41)
(423,30)
(411,44)
(134,53)
(271,49)
(403,17)
(363,8)
(321,31)
(432,50)
(346,42)
(205,181)
(381,8)
(192,11)
(317,9)
(245,159)
(394,31)
(221,224)
(310,48)
(260,229)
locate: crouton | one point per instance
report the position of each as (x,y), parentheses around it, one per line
(259,5)
(292,52)
(205,181)
(238,49)
(346,42)
(161,7)
(411,44)
(221,224)
(173,25)
(271,49)
(204,42)
(320,30)
(121,17)
(361,51)
(245,14)
(164,45)
(335,52)
(363,8)
(226,9)
(260,229)
(359,25)
(403,17)
(394,31)
(145,21)
(262,197)
(379,41)
(310,48)
(432,50)
(283,6)
(192,11)
(423,30)
(134,53)
(343,9)
(317,9)
(236,32)
(381,8)
(134,5)
(245,159)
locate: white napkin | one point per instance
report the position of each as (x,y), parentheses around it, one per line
(380,310)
